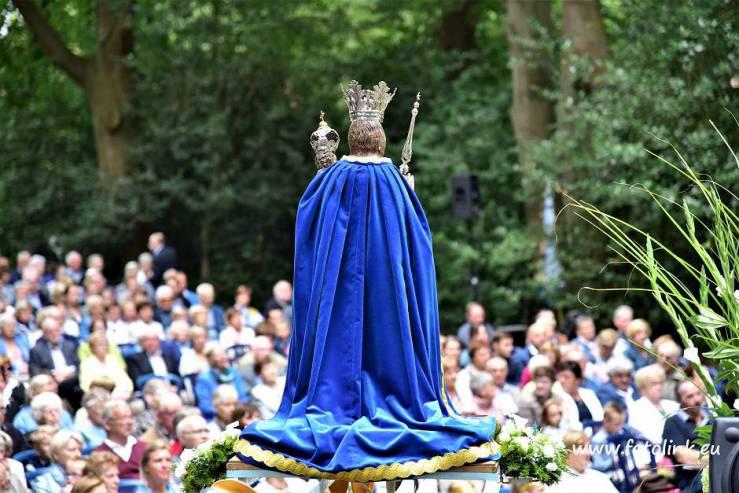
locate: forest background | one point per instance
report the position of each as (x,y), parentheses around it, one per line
(119,118)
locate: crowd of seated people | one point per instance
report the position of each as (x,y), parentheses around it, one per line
(106,384)
(111,382)
(634,402)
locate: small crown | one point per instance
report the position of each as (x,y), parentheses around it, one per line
(367,104)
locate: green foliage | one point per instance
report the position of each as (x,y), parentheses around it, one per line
(208,466)
(227,93)
(667,77)
(706,316)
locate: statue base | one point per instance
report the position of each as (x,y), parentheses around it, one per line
(481,471)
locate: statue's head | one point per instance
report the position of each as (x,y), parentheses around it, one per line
(366,111)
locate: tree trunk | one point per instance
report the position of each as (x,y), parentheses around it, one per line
(205,236)
(582,73)
(583,28)
(529,26)
(109,87)
(104,77)
(458,32)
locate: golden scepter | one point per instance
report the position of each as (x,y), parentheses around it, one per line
(405,158)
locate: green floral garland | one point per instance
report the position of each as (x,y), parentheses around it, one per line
(527,453)
(198,469)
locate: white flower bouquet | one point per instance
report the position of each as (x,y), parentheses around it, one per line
(199,468)
(526,452)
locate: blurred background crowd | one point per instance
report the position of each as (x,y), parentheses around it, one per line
(114,380)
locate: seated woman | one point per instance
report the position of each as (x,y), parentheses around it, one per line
(102,363)
(268,393)
(589,408)
(14,345)
(45,409)
(99,326)
(156,469)
(648,413)
(16,474)
(194,360)
(104,465)
(66,447)
(637,335)
(89,484)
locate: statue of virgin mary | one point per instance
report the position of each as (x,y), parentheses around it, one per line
(364,398)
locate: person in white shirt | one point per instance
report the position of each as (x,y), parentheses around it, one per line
(119,424)
(479,356)
(268,393)
(506,394)
(146,322)
(648,413)
(102,364)
(235,334)
(193,360)
(580,477)
(589,408)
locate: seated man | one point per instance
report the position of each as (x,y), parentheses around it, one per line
(580,477)
(221,372)
(118,424)
(192,431)
(262,350)
(91,428)
(680,429)
(56,356)
(536,335)
(619,388)
(163,428)
(151,360)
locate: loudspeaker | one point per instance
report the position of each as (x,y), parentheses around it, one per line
(465,197)
(724,457)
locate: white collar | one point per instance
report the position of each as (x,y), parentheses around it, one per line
(366,159)
(123,451)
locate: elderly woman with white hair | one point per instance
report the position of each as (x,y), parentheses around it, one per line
(26,420)
(648,413)
(215,319)
(66,447)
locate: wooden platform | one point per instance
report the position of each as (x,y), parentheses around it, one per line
(481,471)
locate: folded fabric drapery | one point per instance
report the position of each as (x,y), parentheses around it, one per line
(364,398)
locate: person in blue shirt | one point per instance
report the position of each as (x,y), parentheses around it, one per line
(221,372)
(45,408)
(14,344)
(92,431)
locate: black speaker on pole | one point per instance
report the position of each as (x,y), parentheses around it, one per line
(724,461)
(465,197)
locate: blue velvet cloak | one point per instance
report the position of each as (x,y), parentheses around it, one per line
(364,398)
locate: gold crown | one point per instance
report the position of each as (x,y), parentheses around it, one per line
(367,104)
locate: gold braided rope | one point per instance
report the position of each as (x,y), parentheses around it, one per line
(380,473)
